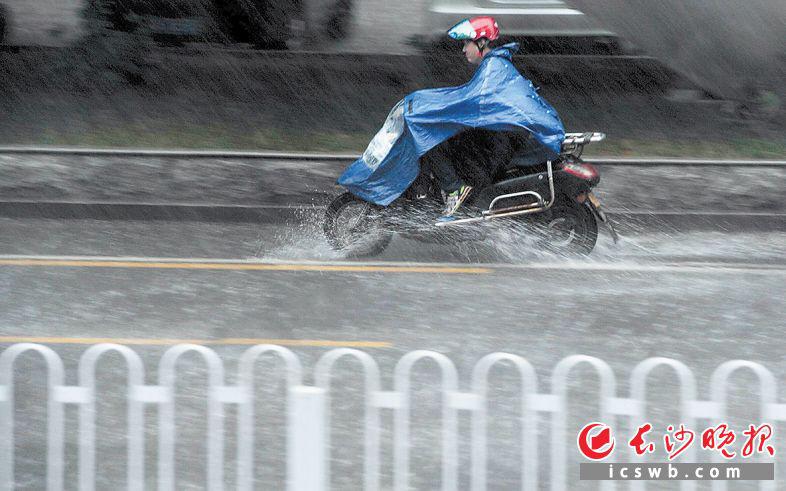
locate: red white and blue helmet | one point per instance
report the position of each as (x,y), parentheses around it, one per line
(475,28)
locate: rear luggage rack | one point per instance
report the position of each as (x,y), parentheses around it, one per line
(582,138)
(573,144)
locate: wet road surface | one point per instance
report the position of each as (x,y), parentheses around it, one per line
(701,297)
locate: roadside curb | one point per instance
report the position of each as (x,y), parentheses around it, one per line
(627,220)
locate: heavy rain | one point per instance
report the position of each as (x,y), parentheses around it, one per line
(243,245)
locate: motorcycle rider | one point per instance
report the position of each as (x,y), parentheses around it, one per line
(463,135)
(473,154)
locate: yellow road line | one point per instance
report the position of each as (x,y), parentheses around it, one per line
(243,266)
(216,342)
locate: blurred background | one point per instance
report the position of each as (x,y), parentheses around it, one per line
(661,78)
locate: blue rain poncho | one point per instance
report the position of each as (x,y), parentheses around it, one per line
(497,98)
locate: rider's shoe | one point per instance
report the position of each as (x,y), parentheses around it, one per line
(454,201)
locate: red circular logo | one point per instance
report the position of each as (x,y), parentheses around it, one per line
(595,441)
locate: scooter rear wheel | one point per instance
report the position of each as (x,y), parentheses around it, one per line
(355,227)
(569,228)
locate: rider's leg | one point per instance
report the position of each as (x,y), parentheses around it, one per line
(483,154)
(475,172)
(438,161)
(439,164)
(446,167)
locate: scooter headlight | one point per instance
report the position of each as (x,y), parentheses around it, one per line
(383,141)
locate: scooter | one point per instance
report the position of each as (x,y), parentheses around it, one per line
(553,200)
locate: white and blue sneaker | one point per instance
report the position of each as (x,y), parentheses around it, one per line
(453,202)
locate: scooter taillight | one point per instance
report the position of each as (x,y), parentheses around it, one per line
(583,171)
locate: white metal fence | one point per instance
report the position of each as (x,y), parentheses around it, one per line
(309,418)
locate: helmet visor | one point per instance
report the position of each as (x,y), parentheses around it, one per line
(462,30)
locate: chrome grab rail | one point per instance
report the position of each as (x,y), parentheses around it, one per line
(513,195)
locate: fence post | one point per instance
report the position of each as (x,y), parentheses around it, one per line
(245,424)
(371,427)
(559,381)
(401,444)
(306,428)
(638,400)
(529,455)
(87,417)
(54,424)
(166,418)
(768,396)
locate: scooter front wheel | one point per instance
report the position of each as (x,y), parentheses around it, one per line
(355,227)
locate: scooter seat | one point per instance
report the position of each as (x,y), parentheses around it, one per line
(527,158)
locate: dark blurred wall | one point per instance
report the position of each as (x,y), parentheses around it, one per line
(264,24)
(732,48)
(3,16)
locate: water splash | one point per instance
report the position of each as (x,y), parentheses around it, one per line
(303,239)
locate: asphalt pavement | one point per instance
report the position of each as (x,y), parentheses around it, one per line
(700,296)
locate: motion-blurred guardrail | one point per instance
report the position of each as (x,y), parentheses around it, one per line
(348,157)
(309,417)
